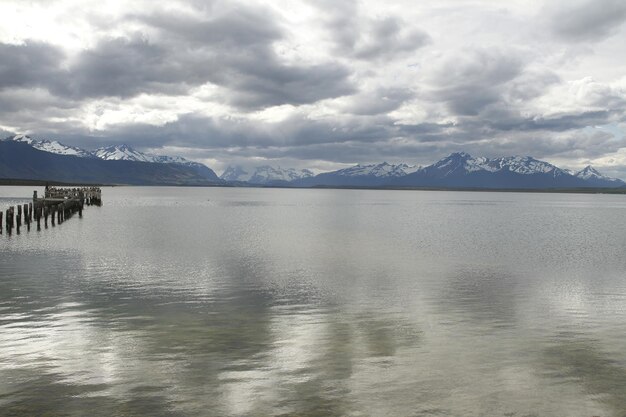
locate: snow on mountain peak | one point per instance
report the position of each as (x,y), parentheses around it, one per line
(525,165)
(264,174)
(22,138)
(590,173)
(51,146)
(122,153)
(382,170)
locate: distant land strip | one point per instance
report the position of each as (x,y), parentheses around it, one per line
(43,183)
(583,190)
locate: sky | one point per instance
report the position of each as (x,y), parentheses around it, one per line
(321,84)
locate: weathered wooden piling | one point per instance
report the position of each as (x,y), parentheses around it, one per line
(60,204)
(26,218)
(38,217)
(10,219)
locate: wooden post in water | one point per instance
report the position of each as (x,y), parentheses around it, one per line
(53,210)
(45,216)
(0,222)
(19,219)
(26,218)
(10,219)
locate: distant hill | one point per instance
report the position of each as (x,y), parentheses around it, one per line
(113,153)
(264,175)
(19,160)
(360,176)
(24,158)
(461,170)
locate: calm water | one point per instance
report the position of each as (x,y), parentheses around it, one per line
(254,302)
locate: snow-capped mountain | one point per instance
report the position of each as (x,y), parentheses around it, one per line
(122,153)
(591,175)
(383,170)
(20,160)
(264,175)
(127,153)
(463,170)
(113,153)
(525,165)
(235,173)
(457,170)
(461,163)
(360,175)
(51,146)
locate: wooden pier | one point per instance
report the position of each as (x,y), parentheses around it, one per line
(57,204)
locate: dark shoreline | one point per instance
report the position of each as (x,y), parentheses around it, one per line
(42,183)
(619,190)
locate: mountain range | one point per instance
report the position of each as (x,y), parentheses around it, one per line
(265,175)
(22,157)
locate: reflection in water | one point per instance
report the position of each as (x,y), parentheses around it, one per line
(580,361)
(317,303)
(482,295)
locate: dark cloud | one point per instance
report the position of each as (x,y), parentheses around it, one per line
(123,67)
(388,37)
(234,48)
(210,133)
(33,101)
(559,123)
(222,25)
(365,38)
(378,101)
(469,82)
(587,20)
(258,82)
(29,64)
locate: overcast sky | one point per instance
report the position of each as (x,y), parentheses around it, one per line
(321,84)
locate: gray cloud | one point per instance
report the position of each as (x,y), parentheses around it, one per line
(122,67)
(469,82)
(29,64)
(231,48)
(223,25)
(367,38)
(388,37)
(587,20)
(379,101)
(234,47)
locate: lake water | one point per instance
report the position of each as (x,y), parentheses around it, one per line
(255,302)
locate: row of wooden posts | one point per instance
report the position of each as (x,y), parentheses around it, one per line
(58,204)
